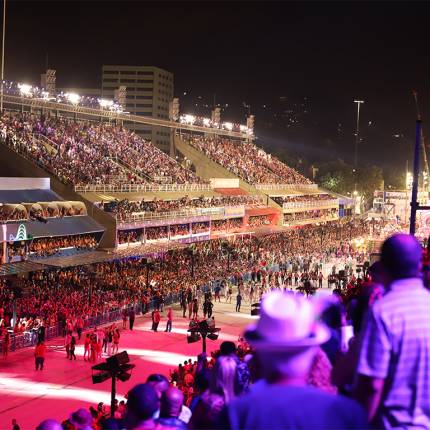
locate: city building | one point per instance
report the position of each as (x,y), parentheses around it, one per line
(149,90)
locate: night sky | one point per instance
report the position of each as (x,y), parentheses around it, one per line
(299,65)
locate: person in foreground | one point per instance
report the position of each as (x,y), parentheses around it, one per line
(286,339)
(142,404)
(394,366)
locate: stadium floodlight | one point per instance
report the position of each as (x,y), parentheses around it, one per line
(73,98)
(243,128)
(105,103)
(189,119)
(228,126)
(45,95)
(206,122)
(25,89)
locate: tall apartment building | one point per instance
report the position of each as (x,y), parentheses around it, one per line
(149,90)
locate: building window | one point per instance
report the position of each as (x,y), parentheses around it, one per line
(112,72)
(144,97)
(127,80)
(145,81)
(144,105)
(110,80)
(145,73)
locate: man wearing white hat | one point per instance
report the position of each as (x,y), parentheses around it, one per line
(286,338)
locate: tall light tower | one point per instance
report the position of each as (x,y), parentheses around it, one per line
(357,133)
(2,55)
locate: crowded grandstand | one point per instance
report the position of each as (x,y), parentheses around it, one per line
(100,228)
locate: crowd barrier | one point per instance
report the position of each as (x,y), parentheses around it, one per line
(30,338)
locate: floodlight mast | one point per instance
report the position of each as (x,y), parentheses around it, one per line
(2,55)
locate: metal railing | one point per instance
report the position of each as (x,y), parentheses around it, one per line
(311,204)
(195,212)
(311,220)
(143,216)
(286,186)
(30,338)
(46,140)
(137,188)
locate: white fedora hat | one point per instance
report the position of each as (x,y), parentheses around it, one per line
(287,321)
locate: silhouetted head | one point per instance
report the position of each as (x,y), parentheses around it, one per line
(159,382)
(49,424)
(228,348)
(142,403)
(171,403)
(401,256)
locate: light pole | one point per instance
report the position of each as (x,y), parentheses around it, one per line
(2,55)
(357,133)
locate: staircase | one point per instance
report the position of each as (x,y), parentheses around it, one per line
(207,168)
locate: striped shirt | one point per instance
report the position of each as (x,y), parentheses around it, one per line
(396,347)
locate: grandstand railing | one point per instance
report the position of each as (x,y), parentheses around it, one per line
(143,216)
(309,187)
(46,140)
(310,204)
(310,220)
(124,163)
(143,188)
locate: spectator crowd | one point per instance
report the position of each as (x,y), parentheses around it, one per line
(340,361)
(83,152)
(247,161)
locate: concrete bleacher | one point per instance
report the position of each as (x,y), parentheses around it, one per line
(167,195)
(208,168)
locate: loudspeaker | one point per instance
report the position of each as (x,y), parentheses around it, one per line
(100,377)
(117,360)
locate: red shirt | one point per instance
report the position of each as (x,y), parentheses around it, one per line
(40,350)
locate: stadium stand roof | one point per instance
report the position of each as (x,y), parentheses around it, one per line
(20,196)
(65,226)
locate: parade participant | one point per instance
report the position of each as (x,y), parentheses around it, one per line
(238,301)
(195,308)
(157,318)
(124,318)
(169,319)
(72,348)
(217,292)
(87,343)
(131,317)
(39,355)
(115,337)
